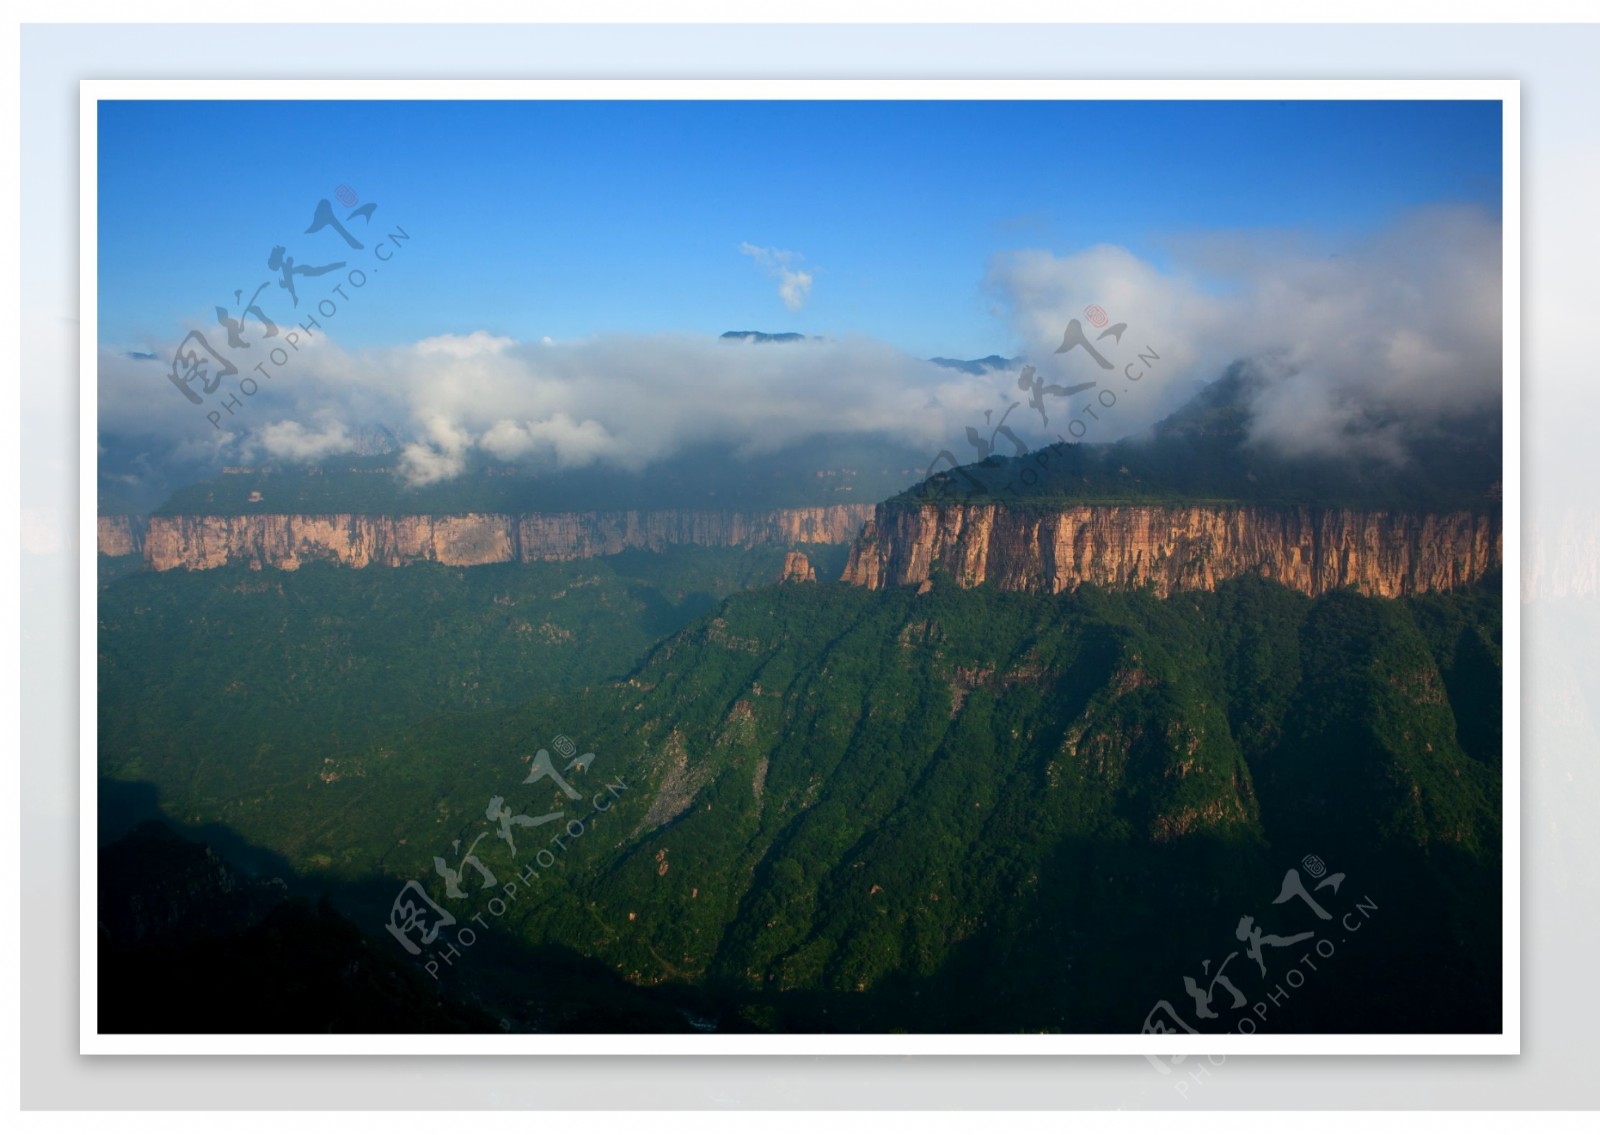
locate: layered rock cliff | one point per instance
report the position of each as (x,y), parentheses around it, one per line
(579,535)
(1175,548)
(119,535)
(287,542)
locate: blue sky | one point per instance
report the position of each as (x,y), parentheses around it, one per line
(571,220)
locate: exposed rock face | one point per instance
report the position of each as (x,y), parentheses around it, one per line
(580,535)
(287,542)
(355,541)
(797,569)
(1175,548)
(119,535)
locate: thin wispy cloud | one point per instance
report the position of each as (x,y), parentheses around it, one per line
(794,285)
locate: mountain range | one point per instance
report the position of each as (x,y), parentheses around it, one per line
(1021,756)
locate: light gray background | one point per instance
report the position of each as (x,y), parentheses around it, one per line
(1561,781)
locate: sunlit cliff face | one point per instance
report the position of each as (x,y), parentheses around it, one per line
(288,541)
(1176,548)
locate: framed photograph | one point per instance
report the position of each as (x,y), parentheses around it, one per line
(800,567)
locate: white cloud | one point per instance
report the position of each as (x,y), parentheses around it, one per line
(423,465)
(794,285)
(1383,338)
(478,345)
(622,400)
(1373,344)
(573,443)
(295,442)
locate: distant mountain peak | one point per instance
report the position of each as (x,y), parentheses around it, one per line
(1205,451)
(766,336)
(978,366)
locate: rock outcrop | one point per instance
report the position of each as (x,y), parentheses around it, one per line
(797,569)
(1174,548)
(288,542)
(119,535)
(580,535)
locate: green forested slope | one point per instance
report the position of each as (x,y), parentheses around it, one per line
(845,809)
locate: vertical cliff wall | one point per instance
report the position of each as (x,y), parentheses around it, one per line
(119,535)
(1174,548)
(287,542)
